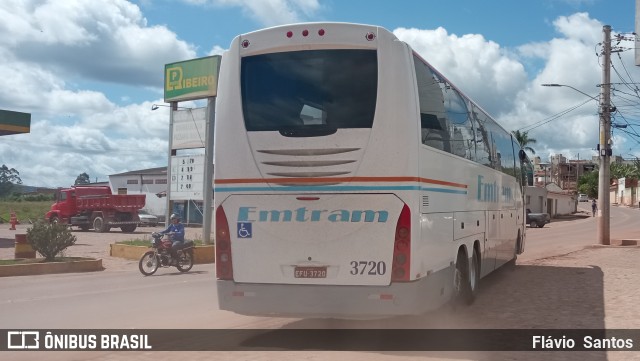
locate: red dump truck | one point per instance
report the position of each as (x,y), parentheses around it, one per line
(96,207)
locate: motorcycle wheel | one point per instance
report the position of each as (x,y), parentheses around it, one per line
(148,264)
(185,262)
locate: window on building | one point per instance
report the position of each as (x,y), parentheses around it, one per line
(132,181)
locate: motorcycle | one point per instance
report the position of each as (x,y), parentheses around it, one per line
(160,255)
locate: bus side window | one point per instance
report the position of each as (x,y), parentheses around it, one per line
(484,144)
(433,122)
(435,132)
(462,140)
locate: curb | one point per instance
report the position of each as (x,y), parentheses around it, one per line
(201,254)
(29,269)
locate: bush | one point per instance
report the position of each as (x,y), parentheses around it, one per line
(49,239)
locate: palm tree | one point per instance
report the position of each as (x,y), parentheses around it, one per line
(524,140)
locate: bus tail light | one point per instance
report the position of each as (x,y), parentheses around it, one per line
(402,247)
(224,266)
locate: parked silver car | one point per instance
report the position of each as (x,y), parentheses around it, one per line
(147,219)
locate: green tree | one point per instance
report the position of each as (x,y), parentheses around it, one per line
(8,177)
(83,178)
(588,184)
(619,170)
(636,168)
(523,139)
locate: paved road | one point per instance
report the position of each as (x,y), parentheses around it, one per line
(565,236)
(592,288)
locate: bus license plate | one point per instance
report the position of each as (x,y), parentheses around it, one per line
(310,272)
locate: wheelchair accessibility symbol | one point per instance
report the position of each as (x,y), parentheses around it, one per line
(244,230)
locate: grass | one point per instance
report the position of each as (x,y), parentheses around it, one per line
(7,262)
(25,210)
(136,242)
(147,243)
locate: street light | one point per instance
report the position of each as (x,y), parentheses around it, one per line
(156,106)
(604,151)
(569,86)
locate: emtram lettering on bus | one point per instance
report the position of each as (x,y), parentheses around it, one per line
(302,214)
(488,192)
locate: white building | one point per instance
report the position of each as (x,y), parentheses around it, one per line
(552,200)
(151,182)
(536,199)
(560,202)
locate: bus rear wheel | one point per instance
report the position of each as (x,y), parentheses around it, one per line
(466,278)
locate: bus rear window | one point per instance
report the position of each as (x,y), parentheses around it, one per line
(309,93)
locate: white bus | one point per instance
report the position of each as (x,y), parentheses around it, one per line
(353,180)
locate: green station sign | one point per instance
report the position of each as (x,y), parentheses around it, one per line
(14,122)
(191,79)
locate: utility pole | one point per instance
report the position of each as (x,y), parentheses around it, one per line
(577,173)
(604,205)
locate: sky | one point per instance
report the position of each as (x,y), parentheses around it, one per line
(89,71)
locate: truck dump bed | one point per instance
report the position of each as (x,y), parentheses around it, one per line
(119,202)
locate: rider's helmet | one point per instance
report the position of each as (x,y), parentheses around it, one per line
(174,216)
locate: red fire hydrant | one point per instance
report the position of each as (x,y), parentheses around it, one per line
(13,220)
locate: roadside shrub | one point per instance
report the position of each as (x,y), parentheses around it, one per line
(49,239)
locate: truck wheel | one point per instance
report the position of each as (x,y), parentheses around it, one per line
(129,228)
(54,220)
(541,225)
(533,224)
(99,226)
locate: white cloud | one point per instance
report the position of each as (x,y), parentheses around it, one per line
(270,12)
(113,34)
(496,79)
(216,50)
(480,68)
(50,50)
(580,27)
(570,59)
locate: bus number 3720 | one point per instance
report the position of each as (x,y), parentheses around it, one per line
(371,268)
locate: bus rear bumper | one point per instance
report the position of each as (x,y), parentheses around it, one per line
(331,301)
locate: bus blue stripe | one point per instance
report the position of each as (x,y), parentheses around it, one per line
(336,189)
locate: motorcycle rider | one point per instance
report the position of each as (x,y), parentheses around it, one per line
(176,235)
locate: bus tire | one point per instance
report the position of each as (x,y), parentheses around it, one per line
(466,278)
(512,262)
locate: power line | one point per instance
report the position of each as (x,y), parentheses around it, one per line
(540,123)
